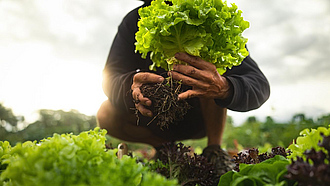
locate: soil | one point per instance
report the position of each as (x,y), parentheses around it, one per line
(166,107)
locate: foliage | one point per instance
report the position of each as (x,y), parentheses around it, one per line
(7,117)
(5,149)
(254,133)
(176,161)
(69,159)
(205,28)
(309,139)
(315,170)
(50,122)
(252,156)
(268,172)
(251,133)
(305,169)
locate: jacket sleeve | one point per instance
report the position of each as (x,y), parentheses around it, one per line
(122,64)
(250,87)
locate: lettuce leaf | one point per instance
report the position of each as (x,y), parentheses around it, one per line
(268,172)
(205,28)
(309,139)
(69,159)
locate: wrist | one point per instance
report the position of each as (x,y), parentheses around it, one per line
(226,90)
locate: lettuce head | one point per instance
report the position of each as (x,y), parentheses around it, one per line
(209,29)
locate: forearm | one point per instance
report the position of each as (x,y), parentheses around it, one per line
(122,64)
(117,88)
(250,88)
(248,94)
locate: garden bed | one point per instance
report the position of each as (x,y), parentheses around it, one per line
(83,159)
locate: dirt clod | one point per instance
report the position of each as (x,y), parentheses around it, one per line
(166,107)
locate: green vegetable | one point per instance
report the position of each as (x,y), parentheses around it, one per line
(309,139)
(205,28)
(5,149)
(315,170)
(69,159)
(268,172)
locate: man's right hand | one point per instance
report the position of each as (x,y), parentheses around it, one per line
(138,80)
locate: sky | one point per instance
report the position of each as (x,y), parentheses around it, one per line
(52,53)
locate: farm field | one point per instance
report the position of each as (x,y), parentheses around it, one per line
(53,145)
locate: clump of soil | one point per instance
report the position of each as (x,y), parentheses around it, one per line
(166,107)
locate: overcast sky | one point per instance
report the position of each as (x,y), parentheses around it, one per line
(52,53)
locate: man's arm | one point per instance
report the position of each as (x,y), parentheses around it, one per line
(241,88)
(122,64)
(250,87)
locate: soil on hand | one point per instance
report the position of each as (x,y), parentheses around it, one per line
(166,107)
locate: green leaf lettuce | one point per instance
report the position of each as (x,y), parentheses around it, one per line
(308,139)
(268,172)
(205,28)
(69,159)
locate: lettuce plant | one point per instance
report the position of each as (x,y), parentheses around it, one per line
(69,159)
(252,156)
(315,169)
(205,28)
(5,149)
(176,161)
(268,172)
(309,139)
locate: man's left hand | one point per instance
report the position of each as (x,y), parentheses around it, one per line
(202,76)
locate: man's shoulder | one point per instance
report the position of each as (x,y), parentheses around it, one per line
(133,15)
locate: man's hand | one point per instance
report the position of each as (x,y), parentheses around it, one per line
(202,76)
(138,80)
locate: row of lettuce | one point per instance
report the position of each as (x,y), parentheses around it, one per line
(83,159)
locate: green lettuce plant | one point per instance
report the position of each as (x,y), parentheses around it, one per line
(268,172)
(314,168)
(69,159)
(309,139)
(5,149)
(205,28)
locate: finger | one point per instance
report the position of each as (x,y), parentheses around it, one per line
(192,72)
(144,111)
(146,77)
(188,70)
(193,61)
(188,80)
(189,94)
(138,97)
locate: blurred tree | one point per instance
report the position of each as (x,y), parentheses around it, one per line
(269,120)
(49,122)
(324,120)
(251,119)
(58,121)
(8,118)
(252,133)
(301,119)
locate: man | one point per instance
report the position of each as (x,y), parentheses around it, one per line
(241,88)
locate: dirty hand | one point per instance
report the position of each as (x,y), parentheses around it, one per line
(202,76)
(138,80)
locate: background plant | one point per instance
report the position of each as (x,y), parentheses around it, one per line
(308,139)
(263,133)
